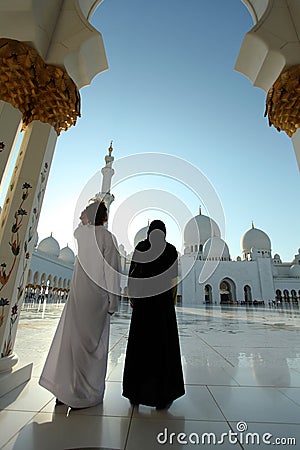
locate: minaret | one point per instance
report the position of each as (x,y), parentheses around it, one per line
(107,174)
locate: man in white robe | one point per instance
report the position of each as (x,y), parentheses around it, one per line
(76,365)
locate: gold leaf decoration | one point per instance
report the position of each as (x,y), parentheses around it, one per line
(283,101)
(40,91)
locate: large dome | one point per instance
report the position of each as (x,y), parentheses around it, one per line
(49,246)
(255,238)
(141,235)
(67,255)
(215,248)
(199,229)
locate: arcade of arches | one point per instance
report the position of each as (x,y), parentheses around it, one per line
(227,294)
(42,286)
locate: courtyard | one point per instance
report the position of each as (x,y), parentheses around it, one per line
(242,377)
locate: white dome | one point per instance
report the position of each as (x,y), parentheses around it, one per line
(49,246)
(295,271)
(216,248)
(141,235)
(199,229)
(67,255)
(255,239)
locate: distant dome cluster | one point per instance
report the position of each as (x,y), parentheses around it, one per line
(202,237)
(51,248)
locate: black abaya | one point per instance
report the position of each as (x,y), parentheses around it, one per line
(153,373)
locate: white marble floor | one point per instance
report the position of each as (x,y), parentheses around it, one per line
(242,375)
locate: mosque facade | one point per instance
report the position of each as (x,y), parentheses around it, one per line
(207,274)
(50,273)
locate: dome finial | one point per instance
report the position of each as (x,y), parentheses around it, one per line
(252,226)
(51,234)
(200,211)
(110,148)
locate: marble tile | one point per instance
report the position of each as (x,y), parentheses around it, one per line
(116,374)
(257,375)
(255,404)
(239,364)
(27,397)
(113,405)
(208,375)
(57,431)
(11,422)
(292,393)
(196,404)
(264,435)
(173,434)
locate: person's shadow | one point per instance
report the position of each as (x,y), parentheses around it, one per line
(67,429)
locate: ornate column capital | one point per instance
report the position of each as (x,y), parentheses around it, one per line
(61,33)
(40,91)
(272,45)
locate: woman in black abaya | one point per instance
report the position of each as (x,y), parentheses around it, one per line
(153,373)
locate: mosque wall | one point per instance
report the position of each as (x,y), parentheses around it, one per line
(240,276)
(288,284)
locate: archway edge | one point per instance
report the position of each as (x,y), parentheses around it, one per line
(256,8)
(60,31)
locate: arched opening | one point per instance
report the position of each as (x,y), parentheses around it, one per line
(278,295)
(29,276)
(208,293)
(36,277)
(294,295)
(247,294)
(227,291)
(286,296)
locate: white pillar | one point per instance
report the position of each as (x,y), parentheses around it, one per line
(10,126)
(19,220)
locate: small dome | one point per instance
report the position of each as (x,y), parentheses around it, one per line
(295,270)
(216,248)
(49,246)
(277,259)
(67,255)
(199,229)
(256,239)
(141,235)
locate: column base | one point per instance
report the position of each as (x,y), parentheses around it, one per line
(13,378)
(8,362)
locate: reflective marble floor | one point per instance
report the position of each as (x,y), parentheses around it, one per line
(242,374)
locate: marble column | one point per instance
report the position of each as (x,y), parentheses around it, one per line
(10,126)
(18,224)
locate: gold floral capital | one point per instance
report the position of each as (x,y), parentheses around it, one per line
(40,91)
(283,101)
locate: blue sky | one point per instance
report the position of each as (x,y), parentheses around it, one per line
(171,88)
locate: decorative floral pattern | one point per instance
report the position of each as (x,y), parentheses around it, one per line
(14,242)
(8,344)
(3,302)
